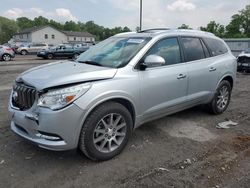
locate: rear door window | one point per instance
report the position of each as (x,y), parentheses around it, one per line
(216,47)
(193,49)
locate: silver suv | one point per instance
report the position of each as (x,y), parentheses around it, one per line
(95,102)
(32,48)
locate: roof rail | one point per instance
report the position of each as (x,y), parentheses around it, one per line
(194,31)
(130,32)
(153,30)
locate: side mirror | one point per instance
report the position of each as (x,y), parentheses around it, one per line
(153,61)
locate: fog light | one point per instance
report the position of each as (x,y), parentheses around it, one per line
(48,136)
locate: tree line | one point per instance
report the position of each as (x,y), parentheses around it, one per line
(238,27)
(9,27)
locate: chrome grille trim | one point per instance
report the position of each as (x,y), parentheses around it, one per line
(23,96)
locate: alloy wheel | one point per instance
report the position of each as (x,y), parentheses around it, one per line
(223,97)
(109,133)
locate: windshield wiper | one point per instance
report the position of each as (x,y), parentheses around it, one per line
(90,63)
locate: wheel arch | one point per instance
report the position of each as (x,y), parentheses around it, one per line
(121,100)
(229,78)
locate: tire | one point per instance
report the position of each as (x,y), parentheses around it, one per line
(24,52)
(75,56)
(112,137)
(221,98)
(6,57)
(50,56)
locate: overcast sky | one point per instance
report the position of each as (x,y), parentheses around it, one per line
(110,13)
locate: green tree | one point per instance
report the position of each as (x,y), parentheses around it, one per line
(126,29)
(41,21)
(24,23)
(234,28)
(71,26)
(7,29)
(215,28)
(184,26)
(245,13)
(56,25)
(239,25)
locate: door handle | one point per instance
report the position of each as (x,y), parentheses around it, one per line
(181,76)
(212,69)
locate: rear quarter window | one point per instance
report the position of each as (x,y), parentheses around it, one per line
(216,47)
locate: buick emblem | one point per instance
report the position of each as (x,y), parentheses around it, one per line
(15,95)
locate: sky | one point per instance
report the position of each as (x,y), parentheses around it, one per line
(111,13)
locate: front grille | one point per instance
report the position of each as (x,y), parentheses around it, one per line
(23,96)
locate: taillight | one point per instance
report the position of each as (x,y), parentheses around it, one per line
(9,49)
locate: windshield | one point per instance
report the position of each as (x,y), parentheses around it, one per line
(113,52)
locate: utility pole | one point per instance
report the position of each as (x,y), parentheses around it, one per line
(140,15)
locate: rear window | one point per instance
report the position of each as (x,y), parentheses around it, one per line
(193,48)
(216,47)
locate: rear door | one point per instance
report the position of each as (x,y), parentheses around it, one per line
(32,48)
(202,69)
(163,88)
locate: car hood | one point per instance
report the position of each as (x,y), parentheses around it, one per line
(64,72)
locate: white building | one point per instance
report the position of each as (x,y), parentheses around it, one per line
(50,35)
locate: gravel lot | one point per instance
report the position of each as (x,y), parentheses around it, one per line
(182,150)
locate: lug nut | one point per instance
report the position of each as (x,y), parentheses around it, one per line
(106,130)
(114,129)
(109,137)
(106,135)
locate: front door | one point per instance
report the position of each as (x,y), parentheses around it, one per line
(164,88)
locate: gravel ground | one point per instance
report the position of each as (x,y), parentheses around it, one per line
(181,150)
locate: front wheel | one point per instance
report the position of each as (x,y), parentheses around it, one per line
(106,131)
(221,98)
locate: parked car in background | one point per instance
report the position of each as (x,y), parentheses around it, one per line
(6,53)
(83,46)
(62,51)
(119,84)
(244,61)
(32,48)
(14,47)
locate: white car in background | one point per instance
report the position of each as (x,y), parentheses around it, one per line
(32,48)
(243,61)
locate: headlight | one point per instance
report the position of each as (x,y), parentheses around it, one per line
(58,98)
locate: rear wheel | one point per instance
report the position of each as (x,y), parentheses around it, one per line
(50,56)
(6,57)
(221,98)
(106,131)
(24,52)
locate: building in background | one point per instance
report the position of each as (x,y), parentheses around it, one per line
(50,35)
(237,45)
